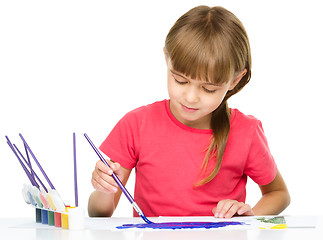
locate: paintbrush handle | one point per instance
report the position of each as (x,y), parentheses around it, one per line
(31,169)
(33,182)
(124,190)
(75,172)
(38,164)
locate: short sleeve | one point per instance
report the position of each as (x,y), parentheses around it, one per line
(260,165)
(121,144)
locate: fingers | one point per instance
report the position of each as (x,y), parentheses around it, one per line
(116,168)
(246,210)
(102,179)
(228,208)
(103,186)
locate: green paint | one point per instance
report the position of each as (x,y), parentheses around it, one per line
(274,220)
(51,218)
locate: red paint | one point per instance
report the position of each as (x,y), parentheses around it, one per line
(58,220)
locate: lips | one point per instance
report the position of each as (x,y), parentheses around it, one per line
(188,109)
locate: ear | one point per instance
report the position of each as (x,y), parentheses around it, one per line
(237,79)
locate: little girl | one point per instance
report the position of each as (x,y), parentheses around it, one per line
(192,153)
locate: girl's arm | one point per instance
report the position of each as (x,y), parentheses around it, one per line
(104,200)
(275,198)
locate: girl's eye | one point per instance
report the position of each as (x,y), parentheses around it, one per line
(208,90)
(180,82)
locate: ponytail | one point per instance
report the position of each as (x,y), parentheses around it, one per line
(220,124)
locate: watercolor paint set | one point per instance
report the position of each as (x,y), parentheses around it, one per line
(50,209)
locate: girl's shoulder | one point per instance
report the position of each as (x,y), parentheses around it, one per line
(240,119)
(246,129)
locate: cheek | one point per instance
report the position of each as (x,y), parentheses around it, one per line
(172,90)
(169,88)
(216,100)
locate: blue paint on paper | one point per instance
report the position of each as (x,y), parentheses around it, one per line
(181,225)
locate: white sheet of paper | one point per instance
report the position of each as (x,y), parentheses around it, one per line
(250,223)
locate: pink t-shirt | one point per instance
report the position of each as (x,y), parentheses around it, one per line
(168,156)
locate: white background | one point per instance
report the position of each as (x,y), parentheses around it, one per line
(79,66)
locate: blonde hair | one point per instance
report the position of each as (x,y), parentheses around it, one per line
(212,45)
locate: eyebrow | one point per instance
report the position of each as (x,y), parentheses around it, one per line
(183,76)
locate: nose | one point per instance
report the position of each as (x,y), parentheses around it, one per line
(191,95)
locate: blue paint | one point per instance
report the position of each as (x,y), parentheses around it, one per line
(44,216)
(146,219)
(181,225)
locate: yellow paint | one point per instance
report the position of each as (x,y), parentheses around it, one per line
(279,226)
(64,218)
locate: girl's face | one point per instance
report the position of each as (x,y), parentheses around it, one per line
(193,101)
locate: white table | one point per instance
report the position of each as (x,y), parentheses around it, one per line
(26,228)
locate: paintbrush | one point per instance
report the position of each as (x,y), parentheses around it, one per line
(75,173)
(124,190)
(32,172)
(36,161)
(31,179)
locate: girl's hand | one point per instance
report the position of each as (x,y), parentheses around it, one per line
(227,208)
(102,179)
